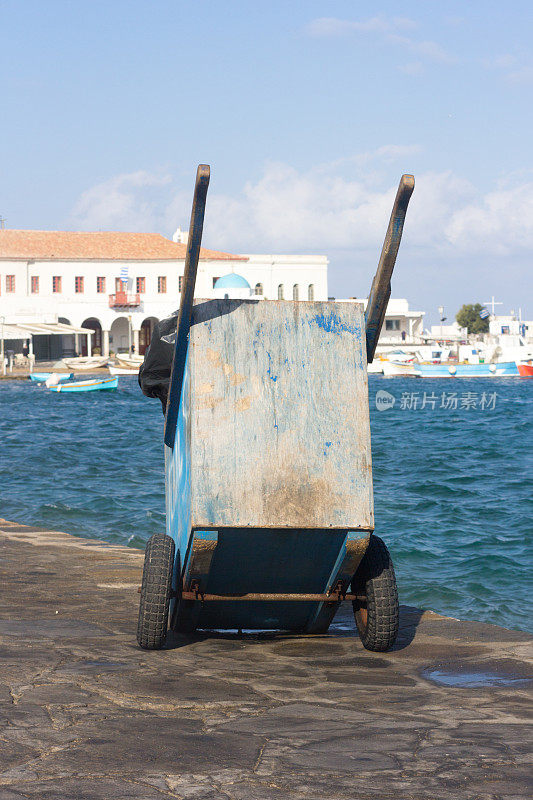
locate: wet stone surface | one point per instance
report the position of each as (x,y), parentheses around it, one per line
(85,714)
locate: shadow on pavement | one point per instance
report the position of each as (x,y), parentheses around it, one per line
(342,627)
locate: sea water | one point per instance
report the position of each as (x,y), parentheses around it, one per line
(452,464)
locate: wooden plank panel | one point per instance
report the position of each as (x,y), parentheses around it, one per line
(280,432)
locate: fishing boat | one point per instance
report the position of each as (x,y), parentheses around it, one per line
(122,371)
(132,361)
(398,362)
(85,363)
(505,369)
(525,369)
(376,367)
(42,377)
(98,384)
(393,369)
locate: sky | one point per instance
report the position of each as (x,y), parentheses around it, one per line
(308,113)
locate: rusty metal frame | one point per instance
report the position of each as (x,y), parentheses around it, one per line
(337,595)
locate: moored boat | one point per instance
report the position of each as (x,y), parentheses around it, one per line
(375,368)
(132,361)
(122,371)
(395,368)
(85,363)
(525,369)
(397,362)
(98,384)
(505,369)
(42,377)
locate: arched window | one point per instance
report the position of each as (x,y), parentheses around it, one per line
(295,292)
(311,291)
(280,292)
(259,289)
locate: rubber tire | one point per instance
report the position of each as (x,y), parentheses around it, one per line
(155,592)
(376,579)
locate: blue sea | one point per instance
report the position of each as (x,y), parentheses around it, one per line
(453,481)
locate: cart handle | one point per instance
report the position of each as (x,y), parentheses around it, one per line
(186,301)
(381,288)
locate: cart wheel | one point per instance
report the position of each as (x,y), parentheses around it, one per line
(376,616)
(155,592)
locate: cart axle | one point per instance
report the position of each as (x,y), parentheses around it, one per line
(334,597)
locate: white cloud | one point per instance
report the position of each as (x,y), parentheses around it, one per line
(501,222)
(425,49)
(413,68)
(332,207)
(514,69)
(326,209)
(504,61)
(389,30)
(332,26)
(122,202)
(524,75)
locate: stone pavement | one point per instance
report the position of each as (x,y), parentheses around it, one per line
(86,714)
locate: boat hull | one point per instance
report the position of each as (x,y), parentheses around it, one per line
(375,368)
(103,384)
(506,369)
(392,369)
(85,363)
(41,377)
(122,371)
(129,362)
(525,370)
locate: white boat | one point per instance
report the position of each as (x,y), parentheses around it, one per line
(122,371)
(85,363)
(395,368)
(132,361)
(376,367)
(398,362)
(399,356)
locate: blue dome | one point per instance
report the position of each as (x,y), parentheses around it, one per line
(232,281)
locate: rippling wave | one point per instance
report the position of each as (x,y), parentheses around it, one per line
(453,488)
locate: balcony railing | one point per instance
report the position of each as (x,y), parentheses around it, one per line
(124,300)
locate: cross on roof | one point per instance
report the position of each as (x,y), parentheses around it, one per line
(492,303)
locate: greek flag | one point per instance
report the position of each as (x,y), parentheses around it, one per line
(124,274)
(484,313)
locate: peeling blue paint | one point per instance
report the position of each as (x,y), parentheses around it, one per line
(332,323)
(269,370)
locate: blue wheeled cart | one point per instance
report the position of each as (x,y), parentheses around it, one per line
(268,463)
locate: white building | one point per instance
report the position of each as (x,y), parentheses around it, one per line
(510,325)
(121,284)
(401,325)
(449,333)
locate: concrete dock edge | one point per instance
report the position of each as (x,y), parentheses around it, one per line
(86,714)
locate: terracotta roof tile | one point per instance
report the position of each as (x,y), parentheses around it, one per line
(100,246)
